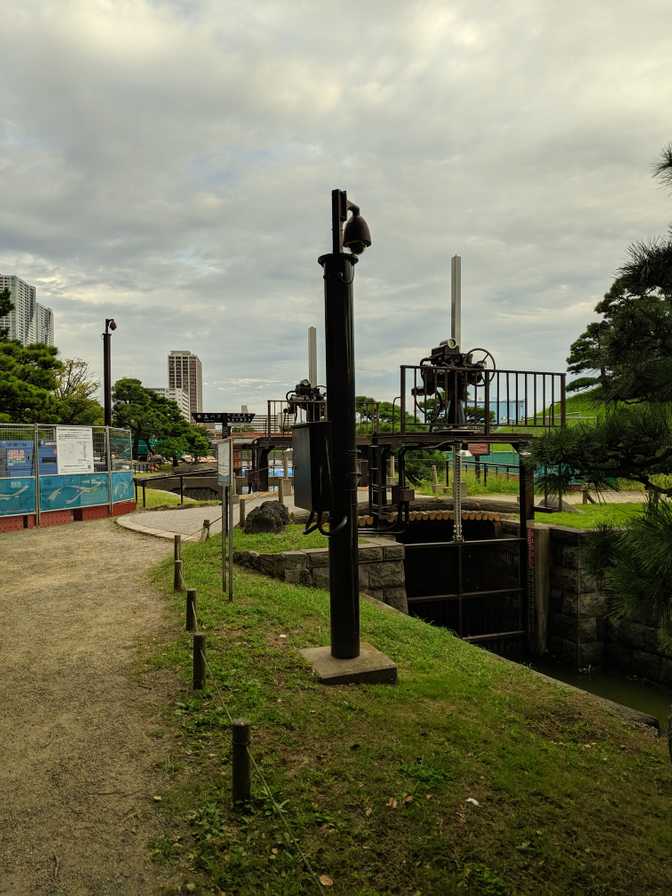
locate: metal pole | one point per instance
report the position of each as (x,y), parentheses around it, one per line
(107,377)
(457,492)
(312,356)
(340,376)
(36,468)
(224,525)
(108,451)
(240,762)
(229,533)
(456,298)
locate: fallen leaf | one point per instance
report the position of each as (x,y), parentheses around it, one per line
(157,799)
(326,881)
(392,803)
(408,798)
(471,800)
(368,811)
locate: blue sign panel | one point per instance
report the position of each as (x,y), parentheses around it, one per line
(73,490)
(17,496)
(122,486)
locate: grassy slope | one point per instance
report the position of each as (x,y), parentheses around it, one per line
(373,781)
(291,539)
(591,515)
(156,498)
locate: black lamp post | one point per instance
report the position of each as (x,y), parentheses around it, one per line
(339,273)
(110,324)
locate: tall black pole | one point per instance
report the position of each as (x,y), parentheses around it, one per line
(107,376)
(340,373)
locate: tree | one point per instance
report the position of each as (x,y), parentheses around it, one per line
(28,379)
(156,421)
(74,391)
(629,351)
(5,307)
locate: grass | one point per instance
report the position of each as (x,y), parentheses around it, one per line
(156,498)
(471,776)
(291,539)
(591,515)
(496,485)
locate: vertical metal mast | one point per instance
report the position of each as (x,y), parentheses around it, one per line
(456,299)
(312,356)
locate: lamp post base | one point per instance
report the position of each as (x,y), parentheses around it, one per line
(370,667)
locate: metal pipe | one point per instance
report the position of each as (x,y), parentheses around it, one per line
(312,356)
(107,376)
(456,298)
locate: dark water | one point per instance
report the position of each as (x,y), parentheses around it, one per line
(633,692)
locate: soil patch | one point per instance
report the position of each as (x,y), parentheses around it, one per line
(80,729)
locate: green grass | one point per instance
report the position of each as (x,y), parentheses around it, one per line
(496,485)
(373,782)
(291,539)
(591,515)
(157,498)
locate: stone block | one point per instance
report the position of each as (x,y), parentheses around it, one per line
(320,577)
(640,637)
(593,603)
(369,554)
(620,657)
(568,556)
(370,667)
(586,627)
(647,665)
(294,576)
(590,654)
(396,597)
(394,552)
(363,573)
(567,580)
(665,671)
(294,559)
(317,556)
(388,574)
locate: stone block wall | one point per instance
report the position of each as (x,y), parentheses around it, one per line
(381,569)
(580,627)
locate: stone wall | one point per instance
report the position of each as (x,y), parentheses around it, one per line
(579,625)
(381,569)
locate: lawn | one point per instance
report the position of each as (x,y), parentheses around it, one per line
(291,539)
(589,516)
(157,498)
(470,776)
(496,485)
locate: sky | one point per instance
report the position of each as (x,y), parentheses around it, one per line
(169,163)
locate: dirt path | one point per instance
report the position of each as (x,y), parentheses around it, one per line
(80,732)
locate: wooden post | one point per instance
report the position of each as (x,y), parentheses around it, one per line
(205,532)
(199,662)
(281,491)
(435,480)
(191,610)
(241,512)
(178,580)
(240,762)
(177,547)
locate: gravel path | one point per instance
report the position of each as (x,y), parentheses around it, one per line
(80,728)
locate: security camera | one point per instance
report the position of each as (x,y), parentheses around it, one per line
(356,235)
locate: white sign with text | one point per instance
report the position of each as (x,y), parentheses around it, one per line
(74,449)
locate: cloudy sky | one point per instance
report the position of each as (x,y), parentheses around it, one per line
(169,163)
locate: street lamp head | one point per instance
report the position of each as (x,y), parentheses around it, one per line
(356,236)
(110,323)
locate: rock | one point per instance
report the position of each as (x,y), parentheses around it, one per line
(271,516)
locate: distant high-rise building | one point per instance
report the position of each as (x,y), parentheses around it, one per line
(185,372)
(179,396)
(28,321)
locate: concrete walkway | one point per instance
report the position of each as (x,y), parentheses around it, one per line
(188,521)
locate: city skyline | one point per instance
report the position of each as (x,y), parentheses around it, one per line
(29,321)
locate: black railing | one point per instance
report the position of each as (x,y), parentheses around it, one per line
(283,415)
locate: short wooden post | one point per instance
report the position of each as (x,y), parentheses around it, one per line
(435,480)
(205,531)
(191,610)
(178,580)
(241,512)
(199,662)
(177,547)
(281,491)
(240,762)
(447,474)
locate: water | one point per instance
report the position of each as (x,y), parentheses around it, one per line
(634,692)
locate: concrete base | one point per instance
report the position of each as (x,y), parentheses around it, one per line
(370,667)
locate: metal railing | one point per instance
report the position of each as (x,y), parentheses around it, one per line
(438,399)
(282,416)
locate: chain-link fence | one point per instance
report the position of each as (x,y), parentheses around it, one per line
(46,467)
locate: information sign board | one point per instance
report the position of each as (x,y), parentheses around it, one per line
(224,462)
(478,448)
(74,449)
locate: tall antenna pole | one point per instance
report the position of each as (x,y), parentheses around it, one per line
(312,356)
(456,299)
